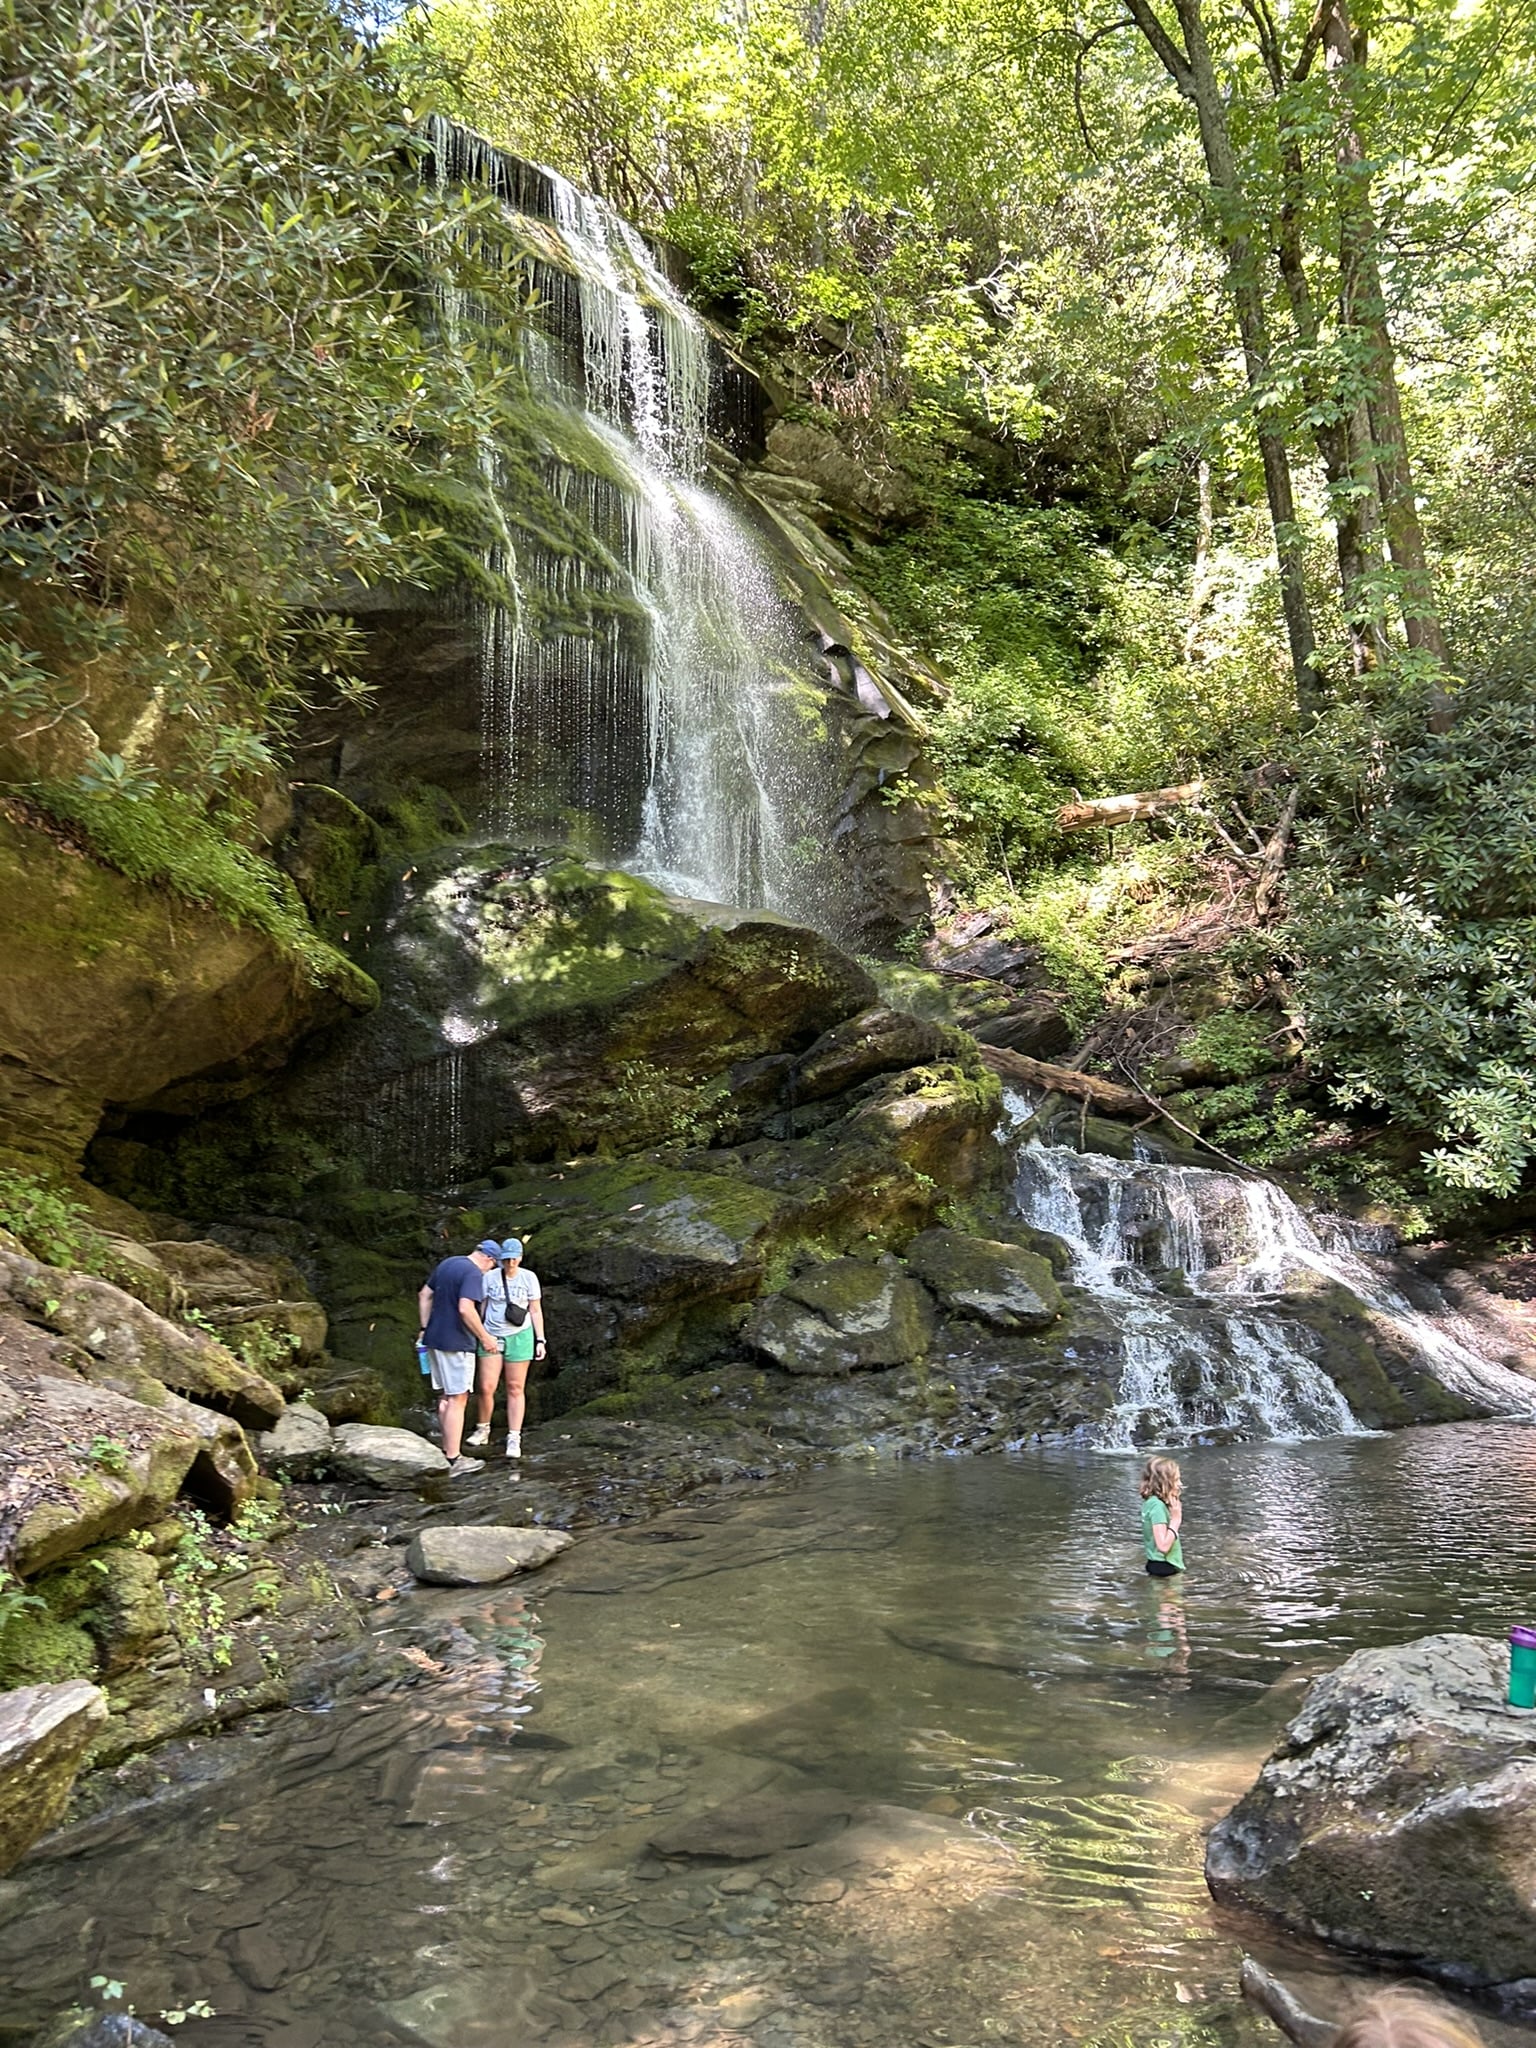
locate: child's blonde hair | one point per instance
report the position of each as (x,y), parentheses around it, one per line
(1160,1476)
(1405,2019)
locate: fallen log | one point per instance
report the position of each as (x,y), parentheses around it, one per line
(1125,810)
(1025,1072)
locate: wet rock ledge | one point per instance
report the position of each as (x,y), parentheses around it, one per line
(1397,1819)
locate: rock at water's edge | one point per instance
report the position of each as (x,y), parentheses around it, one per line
(45,1731)
(1397,1817)
(385,1457)
(480,1555)
(846,1316)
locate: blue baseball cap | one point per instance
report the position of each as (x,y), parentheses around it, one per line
(490,1247)
(513,1248)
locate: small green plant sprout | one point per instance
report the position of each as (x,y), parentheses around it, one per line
(15,1600)
(108,1454)
(112,1990)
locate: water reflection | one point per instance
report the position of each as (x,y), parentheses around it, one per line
(1028,1738)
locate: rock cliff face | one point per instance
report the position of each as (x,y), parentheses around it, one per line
(1397,1818)
(115,993)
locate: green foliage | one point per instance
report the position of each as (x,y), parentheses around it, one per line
(107,1454)
(1416,923)
(1234,1044)
(213,369)
(196,1607)
(51,1224)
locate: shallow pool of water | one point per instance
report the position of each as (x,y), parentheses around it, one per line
(1003,1743)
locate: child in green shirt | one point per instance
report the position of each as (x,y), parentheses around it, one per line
(1162,1514)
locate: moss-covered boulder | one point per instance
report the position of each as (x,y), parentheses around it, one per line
(877,1041)
(1000,1284)
(847,1316)
(539,1008)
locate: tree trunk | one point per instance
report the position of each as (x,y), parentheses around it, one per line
(1193,72)
(1107,1096)
(1363,310)
(1125,810)
(1201,581)
(1343,449)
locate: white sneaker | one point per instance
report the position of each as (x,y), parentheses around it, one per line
(515,1444)
(482,1435)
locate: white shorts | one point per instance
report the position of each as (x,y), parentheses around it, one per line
(453,1372)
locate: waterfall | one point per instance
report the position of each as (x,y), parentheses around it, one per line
(1191,1269)
(651,698)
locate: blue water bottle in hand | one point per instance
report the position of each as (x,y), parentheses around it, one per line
(423,1360)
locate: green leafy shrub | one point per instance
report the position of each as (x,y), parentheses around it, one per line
(1415,919)
(52,1225)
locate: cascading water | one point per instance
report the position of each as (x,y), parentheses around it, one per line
(653,698)
(1191,1269)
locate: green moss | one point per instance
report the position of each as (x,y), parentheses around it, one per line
(37,1648)
(167,841)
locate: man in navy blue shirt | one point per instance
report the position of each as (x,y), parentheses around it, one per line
(453,1333)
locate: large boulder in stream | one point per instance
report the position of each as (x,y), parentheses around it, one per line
(480,1554)
(1397,1818)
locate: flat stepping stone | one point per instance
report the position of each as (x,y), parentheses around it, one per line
(480,1554)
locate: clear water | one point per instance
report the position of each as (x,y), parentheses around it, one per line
(1032,1736)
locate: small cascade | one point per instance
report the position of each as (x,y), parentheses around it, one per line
(1192,1270)
(651,697)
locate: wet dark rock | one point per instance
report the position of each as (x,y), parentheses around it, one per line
(1000,1284)
(759,1825)
(846,1316)
(46,1732)
(1035,1027)
(480,1555)
(1397,1818)
(877,1041)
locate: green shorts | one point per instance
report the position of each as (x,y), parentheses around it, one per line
(517,1345)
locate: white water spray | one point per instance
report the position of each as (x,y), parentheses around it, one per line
(677,729)
(1193,1267)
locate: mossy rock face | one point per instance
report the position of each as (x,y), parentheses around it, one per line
(539,1008)
(1000,1284)
(118,992)
(847,1316)
(37,1648)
